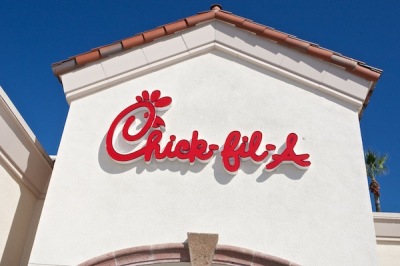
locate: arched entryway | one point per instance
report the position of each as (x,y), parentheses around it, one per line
(179,253)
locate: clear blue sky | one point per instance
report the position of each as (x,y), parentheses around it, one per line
(35,34)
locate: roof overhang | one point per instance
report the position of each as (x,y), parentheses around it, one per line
(20,152)
(323,69)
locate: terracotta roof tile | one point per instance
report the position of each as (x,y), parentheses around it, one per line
(110,49)
(354,66)
(227,17)
(320,53)
(217,13)
(174,27)
(133,41)
(366,73)
(274,35)
(253,27)
(154,34)
(344,62)
(64,66)
(297,44)
(86,58)
(193,20)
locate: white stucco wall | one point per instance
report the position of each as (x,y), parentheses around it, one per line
(321,216)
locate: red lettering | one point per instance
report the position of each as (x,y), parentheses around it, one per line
(200,150)
(230,154)
(236,147)
(167,152)
(233,152)
(289,156)
(182,150)
(152,145)
(253,146)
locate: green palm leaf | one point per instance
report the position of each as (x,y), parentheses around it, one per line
(375,165)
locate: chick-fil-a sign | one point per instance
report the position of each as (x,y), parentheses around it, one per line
(235,148)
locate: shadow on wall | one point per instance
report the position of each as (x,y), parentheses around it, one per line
(220,174)
(112,167)
(249,168)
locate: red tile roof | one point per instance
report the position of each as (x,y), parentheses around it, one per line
(351,65)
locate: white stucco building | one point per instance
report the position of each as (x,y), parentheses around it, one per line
(220,126)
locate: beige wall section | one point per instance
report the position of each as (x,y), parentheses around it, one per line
(387,229)
(25,171)
(17,208)
(8,203)
(388,253)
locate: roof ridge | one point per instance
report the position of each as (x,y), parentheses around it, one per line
(216,12)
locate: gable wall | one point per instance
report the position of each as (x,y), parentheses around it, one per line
(320,216)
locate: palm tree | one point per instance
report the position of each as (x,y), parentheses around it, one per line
(375,165)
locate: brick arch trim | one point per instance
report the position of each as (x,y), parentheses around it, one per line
(179,252)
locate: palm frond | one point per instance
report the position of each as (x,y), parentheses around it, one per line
(375,164)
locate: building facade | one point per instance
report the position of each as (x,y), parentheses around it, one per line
(212,139)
